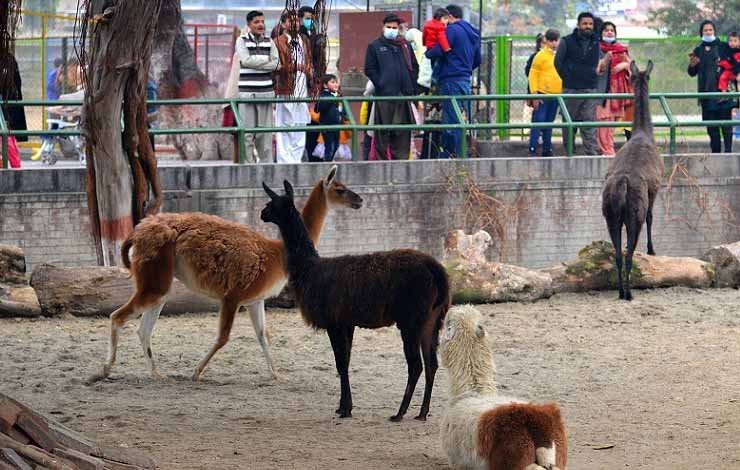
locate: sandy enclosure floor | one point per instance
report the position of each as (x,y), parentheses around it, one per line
(658,379)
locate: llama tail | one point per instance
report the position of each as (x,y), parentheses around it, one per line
(444,296)
(125,248)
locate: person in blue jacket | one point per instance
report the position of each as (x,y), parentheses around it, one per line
(455,72)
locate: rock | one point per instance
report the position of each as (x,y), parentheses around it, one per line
(473,279)
(12,265)
(469,248)
(726,261)
(594,270)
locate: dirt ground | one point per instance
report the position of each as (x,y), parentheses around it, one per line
(655,381)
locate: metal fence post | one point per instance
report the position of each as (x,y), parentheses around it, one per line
(502,83)
(489,75)
(568,134)
(351,118)
(43,71)
(4,131)
(672,120)
(464,141)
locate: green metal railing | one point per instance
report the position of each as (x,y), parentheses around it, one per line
(568,125)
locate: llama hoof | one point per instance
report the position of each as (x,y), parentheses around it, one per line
(651,252)
(396,418)
(421,418)
(97,377)
(628,296)
(196,375)
(344,414)
(621,295)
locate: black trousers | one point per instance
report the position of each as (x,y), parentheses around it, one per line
(714,131)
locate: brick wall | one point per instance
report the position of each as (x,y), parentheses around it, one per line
(544,210)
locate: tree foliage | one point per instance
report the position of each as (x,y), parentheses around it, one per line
(682,17)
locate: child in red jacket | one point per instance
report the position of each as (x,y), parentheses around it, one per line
(434,30)
(731,64)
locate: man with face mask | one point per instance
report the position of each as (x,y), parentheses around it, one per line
(579,62)
(392,67)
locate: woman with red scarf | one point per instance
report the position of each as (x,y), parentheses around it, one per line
(619,82)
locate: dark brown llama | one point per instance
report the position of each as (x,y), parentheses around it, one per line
(403,287)
(632,183)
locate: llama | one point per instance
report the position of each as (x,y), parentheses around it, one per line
(633,182)
(403,287)
(482,430)
(221,259)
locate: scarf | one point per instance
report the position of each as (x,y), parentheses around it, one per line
(618,82)
(401,43)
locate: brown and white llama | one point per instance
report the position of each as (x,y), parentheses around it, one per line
(482,430)
(633,182)
(212,256)
(403,287)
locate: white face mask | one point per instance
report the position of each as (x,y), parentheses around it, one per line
(608,39)
(409,36)
(390,33)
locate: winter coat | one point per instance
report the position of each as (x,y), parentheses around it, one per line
(387,66)
(465,56)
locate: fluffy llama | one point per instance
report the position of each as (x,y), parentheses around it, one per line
(221,259)
(632,183)
(482,430)
(403,287)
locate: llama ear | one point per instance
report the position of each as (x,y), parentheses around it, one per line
(288,189)
(480,332)
(331,175)
(649,68)
(633,68)
(270,192)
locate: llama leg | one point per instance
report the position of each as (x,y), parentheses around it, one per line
(338,338)
(146,328)
(633,233)
(649,221)
(117,320)
(257,314)
(616,234)
(225,322)
(411,349)
(429,343)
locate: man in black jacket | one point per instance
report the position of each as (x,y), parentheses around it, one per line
(391,65)
(579,62)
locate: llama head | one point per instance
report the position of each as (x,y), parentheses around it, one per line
(337,194)
(280,209)
(466,353)
(639,77)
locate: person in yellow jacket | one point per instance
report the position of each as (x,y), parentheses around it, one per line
(544,79)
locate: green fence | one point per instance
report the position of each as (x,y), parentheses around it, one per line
(664,118)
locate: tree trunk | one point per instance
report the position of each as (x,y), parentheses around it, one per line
(97,290)
(10,11)
(120,166)
(12,265)
(178,76)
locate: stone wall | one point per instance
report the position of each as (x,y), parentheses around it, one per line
(541,211)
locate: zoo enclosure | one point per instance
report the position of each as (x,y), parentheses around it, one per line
(669,119)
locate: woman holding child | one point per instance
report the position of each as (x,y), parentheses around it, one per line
(704,64)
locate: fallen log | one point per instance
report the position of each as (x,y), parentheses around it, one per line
(96,290)
(594,270)
(726,260)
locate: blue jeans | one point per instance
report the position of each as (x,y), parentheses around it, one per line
(331,144)
(545,112)
(452,138)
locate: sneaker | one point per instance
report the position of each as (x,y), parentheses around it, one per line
(547,153)
(532,152)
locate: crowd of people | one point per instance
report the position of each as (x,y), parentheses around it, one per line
(439,59)
(401,62)
(592,60)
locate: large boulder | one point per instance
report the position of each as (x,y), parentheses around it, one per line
(726,261)
(473,279)
(594,270)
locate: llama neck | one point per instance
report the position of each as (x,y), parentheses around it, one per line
(642,120)
(474,375)
(314,212)
(299,249)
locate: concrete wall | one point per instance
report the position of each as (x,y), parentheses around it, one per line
(541,211)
